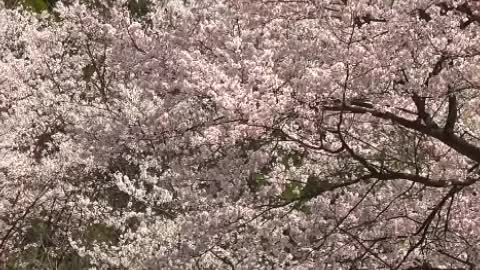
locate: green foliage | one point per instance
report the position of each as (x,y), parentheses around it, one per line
(292,191)
(313,187)
(37,6)
(138,8)
(298,191)
(260,179)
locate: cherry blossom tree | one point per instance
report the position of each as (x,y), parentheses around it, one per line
(316,134)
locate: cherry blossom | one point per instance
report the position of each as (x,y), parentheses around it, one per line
(235,134)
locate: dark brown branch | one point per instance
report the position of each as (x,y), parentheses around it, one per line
(367,19)
(423,229)
(366,248)
(420,103)
(21,219)
(429,267)
(445,7)
(422,13)
(424,180)
(436,209)
(437,68)
(455,142)
(467,10)
(458,259)
(358,158)
(452,113)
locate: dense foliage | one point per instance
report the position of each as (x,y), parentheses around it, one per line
(316,134)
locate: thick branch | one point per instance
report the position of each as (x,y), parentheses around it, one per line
(422,111)
(437,68)
(458,144)
(452,113)
(428,267)
(464,8)
(424,180)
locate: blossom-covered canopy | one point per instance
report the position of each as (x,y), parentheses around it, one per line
(241,134)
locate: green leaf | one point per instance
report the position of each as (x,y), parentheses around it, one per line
(260,179)
(37,6)
(292,191)
(257,180)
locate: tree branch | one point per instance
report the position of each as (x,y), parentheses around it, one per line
(420,103)
(424,180)
(458,144)
(452,113)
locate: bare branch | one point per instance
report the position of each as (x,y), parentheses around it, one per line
(452,113)
(457,143)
